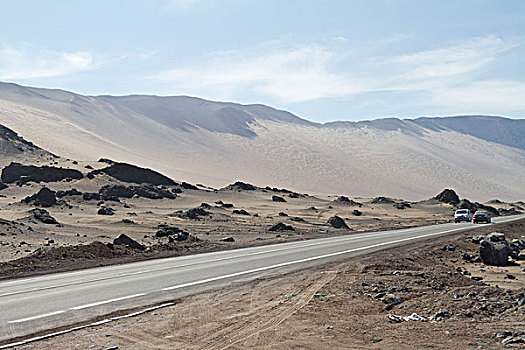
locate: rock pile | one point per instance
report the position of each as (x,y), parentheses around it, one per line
(43,198)
(42,215)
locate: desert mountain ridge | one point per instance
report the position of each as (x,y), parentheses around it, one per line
(216,143)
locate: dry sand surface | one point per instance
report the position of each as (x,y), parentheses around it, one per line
(340,306)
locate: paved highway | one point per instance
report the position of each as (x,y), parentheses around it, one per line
(47,302)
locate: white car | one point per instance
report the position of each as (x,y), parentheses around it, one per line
(462,215)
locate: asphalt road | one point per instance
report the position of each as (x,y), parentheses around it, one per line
(47,302)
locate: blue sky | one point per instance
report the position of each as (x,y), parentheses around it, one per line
(322,60)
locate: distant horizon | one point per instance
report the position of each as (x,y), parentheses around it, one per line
(270,106)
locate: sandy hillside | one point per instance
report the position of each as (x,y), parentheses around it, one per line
(217,143)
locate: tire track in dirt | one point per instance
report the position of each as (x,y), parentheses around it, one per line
(263,320)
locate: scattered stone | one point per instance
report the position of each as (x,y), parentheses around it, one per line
(297,219)
(510,277)
(402,205)
(193,213)
(357,212)
(240,212)
(71,192)
(171,231)
(278,199)
(391,300)
(283,214)
(449,248)
(376,339)
(128,221)
(43,216)
(106,211)
(338,222)
(127,241)
(281,227)
(228,239)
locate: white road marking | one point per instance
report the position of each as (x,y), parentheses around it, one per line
(37,317)
(106,301)
(302,260)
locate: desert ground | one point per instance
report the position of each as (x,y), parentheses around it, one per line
(346,305)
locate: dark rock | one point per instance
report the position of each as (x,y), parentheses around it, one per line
(118,191)
(283,214)
(128,221)
(338,222)
(106,160)
(228,239)
(391,300)
(176,190)
(88,167)
(145,191)
(3,186)
(188,186)
(15,172)
(357,212)
(194,213)
(42,215)
(448,196)
(473,207)
(241,186)
(227,205)
(87,196)
(510,277)
(382,200)
(44,198)
(175,233)
(132,173)
(347,201)
(278,199)
(494,251)
(240,212)
(205,206)
(449,248)
(511,211)
(71,192)
(106,211)
(477,239)
(402,206)
(297,219)
(127,241)
(281,227)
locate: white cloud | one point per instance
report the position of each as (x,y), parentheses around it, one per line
(447,75)
(27,61)
(291,73)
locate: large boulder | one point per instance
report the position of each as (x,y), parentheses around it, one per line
(134,174)
(448,196)
(43,198)
(127,241)
(495,250)
(338,222)
(24,173)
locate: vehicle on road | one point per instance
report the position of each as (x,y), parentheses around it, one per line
(481,216)
(463,215)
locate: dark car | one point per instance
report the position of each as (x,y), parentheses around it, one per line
(481,216)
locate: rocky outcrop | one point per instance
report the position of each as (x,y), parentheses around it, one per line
(448,196)
(382,200)
(134,174)
(71,192)
(466,204)
(240,186)
(145,191)
(347,201)
(128,242)
(43,216)
(338,222)
(3,186)
(43,198)
(24,173)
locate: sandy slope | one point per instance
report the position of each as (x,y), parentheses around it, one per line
(359,161)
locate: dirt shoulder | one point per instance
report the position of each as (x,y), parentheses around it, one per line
(342,306)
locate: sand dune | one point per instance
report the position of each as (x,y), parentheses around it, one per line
(217,143)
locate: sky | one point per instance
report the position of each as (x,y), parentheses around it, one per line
(322,60)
